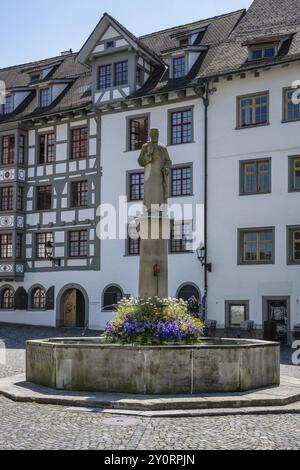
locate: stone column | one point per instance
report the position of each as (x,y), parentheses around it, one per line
(154,252)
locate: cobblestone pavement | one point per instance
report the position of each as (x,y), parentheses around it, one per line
(29,426)
(32,426)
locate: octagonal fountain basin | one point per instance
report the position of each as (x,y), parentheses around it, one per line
(89,365)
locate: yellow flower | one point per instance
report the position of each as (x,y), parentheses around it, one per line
(183,328)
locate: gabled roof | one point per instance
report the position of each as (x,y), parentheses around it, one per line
(222,39)
(106,21)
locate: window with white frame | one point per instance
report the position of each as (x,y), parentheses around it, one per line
(45,97)
(8,106)
(179,67)
(268,51)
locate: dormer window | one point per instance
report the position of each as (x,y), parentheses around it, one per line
(121,73)
(105,77)
(35,77)
(113,75)
(45,97)
(184,42)
(139,76)
(263,52)
(8,106)
(179,67)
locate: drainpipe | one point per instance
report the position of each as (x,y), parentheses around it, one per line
(203,92)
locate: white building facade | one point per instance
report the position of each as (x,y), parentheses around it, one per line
(71,129)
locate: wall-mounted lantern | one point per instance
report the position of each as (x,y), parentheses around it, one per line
(49,254)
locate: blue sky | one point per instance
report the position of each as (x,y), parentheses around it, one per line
(37,29)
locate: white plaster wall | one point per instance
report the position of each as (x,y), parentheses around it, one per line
(228,211)
(116,267)
(88,280)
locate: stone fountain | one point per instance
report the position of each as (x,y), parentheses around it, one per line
(90,365)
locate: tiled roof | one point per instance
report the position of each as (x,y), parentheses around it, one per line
(76,95)
(265,18)
(224,36)
(217,30)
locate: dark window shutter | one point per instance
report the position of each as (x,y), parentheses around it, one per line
(21,299)
(50,298)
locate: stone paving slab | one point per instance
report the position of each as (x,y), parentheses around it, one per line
(269,410)
(270,399)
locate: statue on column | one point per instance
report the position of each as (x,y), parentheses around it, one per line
(157,164)
(155,160)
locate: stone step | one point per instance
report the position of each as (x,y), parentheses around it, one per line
(288,393)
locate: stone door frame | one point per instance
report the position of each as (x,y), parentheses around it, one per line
(265,310)
(60,304)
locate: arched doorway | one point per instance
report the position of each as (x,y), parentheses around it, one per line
(190,293)
(73,309)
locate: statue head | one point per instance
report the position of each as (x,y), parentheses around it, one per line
(154,135)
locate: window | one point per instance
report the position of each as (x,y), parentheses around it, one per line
(138,132)
(255,176)
(20,198)
(78,244)
(45,97)
(79,138)
(133,241)
(236,313)
(6,248)
(294,174)
(8,106)
(8,150)
(253,110)
(179,67)
(191,294)
(121,73)
(19,246)
(111,296)
(110,44)
(7,199)
(140,76)
(21,155)
(184,42)
(181,181)
(35,77)
(7,299)
(181,127)
(44,198)
(263,52)
(79,194)
(41,240)
(136,186)
(38,299)
(291,109)
(134,246)
(257,246)
(105,77)
(46,148)
(181,237)
(294,245)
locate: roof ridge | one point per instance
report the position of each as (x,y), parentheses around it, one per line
(41,61)
(193,22)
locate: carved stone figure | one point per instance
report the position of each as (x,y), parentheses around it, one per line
(157,164)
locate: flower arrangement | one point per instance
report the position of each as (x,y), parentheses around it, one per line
(153,321)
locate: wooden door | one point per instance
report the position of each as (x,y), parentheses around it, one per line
(69,306)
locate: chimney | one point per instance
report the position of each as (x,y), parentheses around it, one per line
(63,53)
